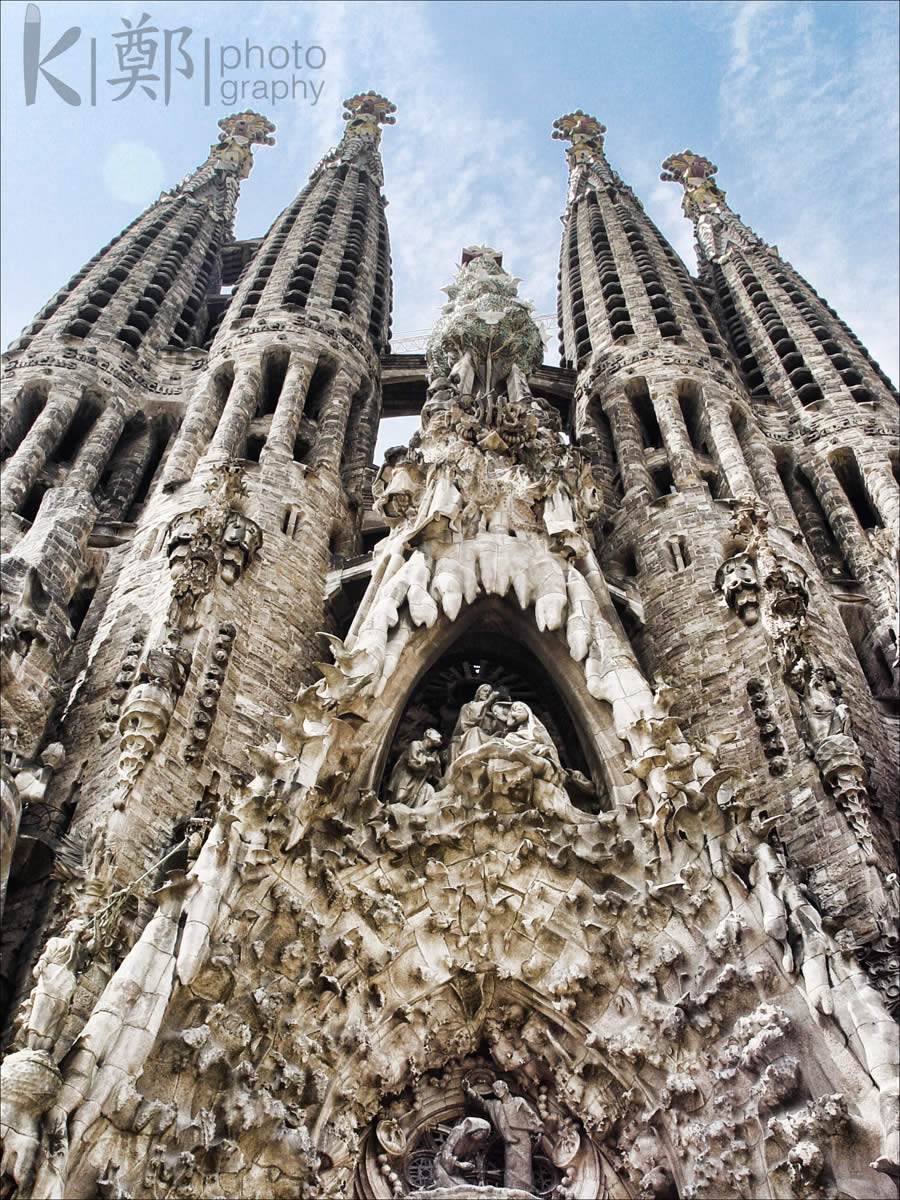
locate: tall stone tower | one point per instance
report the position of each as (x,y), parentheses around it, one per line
(513,823)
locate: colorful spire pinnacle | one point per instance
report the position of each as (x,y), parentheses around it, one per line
(695,174)
(365,112)
(584,132)
(240,131)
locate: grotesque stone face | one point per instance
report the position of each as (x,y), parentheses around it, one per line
(736,580)
(240,540)
(184,532)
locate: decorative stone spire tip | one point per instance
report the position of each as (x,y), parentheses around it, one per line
(583,131)
(365,112)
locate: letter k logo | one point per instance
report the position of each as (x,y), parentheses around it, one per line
(32,61)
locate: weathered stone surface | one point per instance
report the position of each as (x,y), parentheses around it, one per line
(514,822)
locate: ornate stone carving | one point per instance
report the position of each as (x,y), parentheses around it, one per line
(209,691)
(516,1121)
(829,736)
(466,1136)
(417,767)
(769,732)
(704,203)
(149,706)
(218,537)
(736,580)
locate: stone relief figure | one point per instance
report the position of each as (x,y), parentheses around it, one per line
(475,722)
(465,1138)
(241,538)
(416,768)
(515,1120)
(54,974)
(736,580)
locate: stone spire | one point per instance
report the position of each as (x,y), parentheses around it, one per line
(329,249)
(704,203)
(797,355)
(485,325)
(619,278)
(753,281)
(170,247)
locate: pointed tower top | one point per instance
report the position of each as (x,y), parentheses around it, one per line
(704,203)
(240,131)
(584,132)
(365,112)
(486,320)
(695,174)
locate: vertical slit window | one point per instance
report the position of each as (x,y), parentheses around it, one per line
(651,434)
(78,429)
(274,369)
(28,407)
(689,403)
(849,476)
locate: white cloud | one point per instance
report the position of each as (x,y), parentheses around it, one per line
(809,112)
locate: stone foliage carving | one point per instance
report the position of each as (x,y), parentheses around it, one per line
(204,541)
(149,705)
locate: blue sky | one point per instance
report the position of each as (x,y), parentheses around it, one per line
(796,102)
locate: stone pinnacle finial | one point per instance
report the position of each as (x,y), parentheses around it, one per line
(584,132)
(695,174)
(485,319)
(240,131)
(365,112)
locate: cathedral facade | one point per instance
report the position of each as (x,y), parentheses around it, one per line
(514,821)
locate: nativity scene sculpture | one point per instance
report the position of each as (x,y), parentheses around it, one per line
(500,758)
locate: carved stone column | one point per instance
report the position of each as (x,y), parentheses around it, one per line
(97,450)
(728,450)
(629,452)
(37,445)
(675,437)
(289,409)
(229,437)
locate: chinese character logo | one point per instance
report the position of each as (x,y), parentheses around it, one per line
(136,50)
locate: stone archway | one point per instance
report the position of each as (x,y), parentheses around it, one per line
(491,630)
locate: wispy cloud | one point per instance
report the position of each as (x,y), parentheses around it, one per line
(809,109)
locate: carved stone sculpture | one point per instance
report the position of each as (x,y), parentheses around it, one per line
(516,1122)
(418,766)
(736,580)
(466,1137)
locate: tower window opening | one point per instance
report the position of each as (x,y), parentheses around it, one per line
(319,389)
(813,522)
(651,434)
(679,553)
(689,403)
(159,436)
(663,481)
(32,501)
(274,370)
(849,476)
(255,443)
(28,408)
(79,427)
